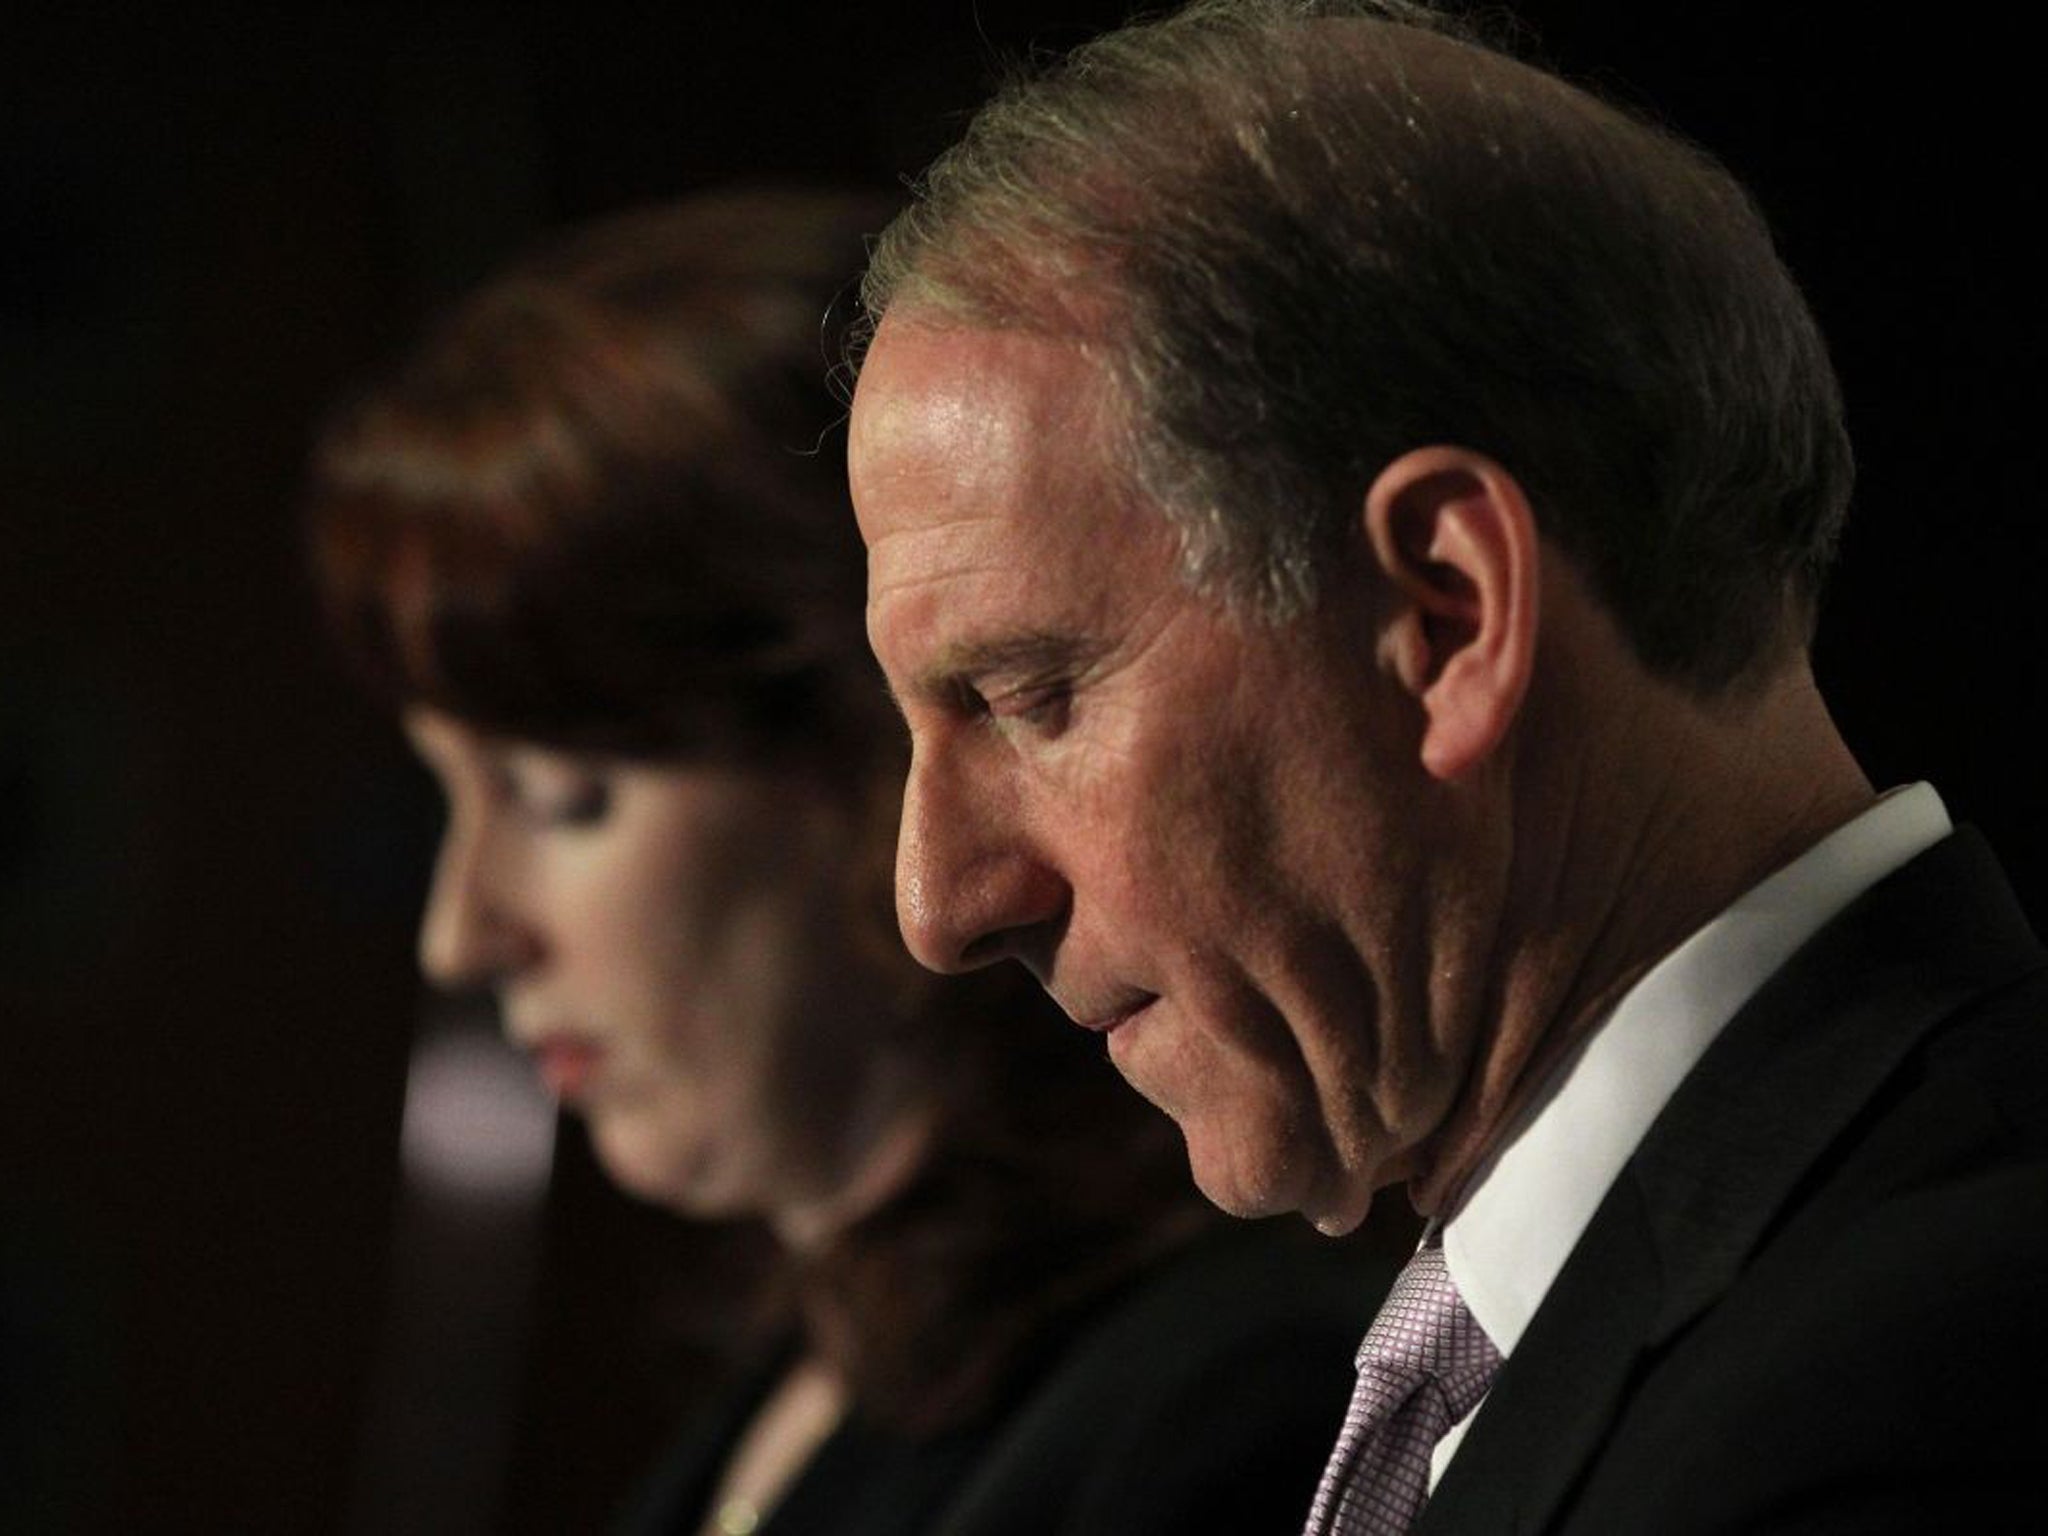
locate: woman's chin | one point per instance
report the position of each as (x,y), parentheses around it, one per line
(660,1169)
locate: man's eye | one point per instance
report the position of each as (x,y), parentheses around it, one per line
(1042,709)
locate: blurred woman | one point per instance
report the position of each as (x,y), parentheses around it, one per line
(592,543)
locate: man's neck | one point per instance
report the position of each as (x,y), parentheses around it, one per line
(1627,840)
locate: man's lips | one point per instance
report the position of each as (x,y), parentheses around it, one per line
(1112,1019)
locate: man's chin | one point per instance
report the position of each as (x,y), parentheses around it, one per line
(1241,1181)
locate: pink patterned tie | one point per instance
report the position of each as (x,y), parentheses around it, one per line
(1423,1366)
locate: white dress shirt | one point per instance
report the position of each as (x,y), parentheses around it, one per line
(1532,1198)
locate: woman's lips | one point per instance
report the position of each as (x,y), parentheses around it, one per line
(566,1065)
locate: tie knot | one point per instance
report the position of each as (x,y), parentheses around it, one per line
(1424,1365)
(1425,1330)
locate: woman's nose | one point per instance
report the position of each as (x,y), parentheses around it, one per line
(469,933)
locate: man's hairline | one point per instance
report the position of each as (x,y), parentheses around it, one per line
(1236,585)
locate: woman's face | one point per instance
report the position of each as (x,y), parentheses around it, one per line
(676,948)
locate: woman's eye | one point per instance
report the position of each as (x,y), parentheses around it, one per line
(554,795)
(580,805)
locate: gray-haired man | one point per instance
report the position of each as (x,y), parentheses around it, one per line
(1346,512)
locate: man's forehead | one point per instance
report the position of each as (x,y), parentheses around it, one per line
(963,404)
(983,455)
(1000,528)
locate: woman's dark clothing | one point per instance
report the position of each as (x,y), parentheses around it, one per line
(1200,1399)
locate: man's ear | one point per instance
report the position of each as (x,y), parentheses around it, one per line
(1453,536)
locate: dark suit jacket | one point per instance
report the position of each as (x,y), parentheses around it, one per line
(1200,1401)
(1816,1299)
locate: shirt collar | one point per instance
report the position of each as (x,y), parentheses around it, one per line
(1531,1200)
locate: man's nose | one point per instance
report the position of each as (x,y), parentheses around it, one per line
(970,889)
(468,934)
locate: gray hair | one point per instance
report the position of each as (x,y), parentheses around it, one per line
(1305,236)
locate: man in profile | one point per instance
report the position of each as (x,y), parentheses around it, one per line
(1346,514)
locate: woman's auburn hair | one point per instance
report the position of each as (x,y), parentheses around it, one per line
(603,507)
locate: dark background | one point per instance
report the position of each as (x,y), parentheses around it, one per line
(211,852)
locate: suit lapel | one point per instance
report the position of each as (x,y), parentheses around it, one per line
(1721,1162)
